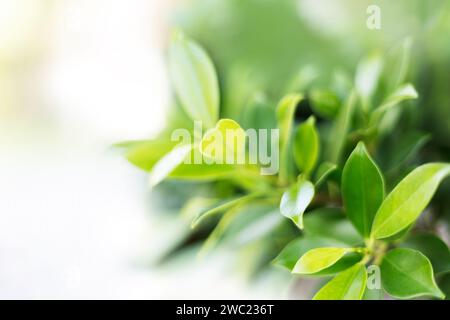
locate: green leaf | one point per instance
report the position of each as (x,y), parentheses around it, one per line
(302,79)
(404,92)
(225,143)
(306,146)
(348,285)
(168,163)
(367,77)
(257,220)
(444,285)
(285,115)
(202,171)
(323,172)
(408,199)
(219,230)
(318,259)
(259,114)
(295,201)
(340,129)
(433,247)
(406,147)
(331,223)
(362,189)
(290,254)
(221,207)
(407,273)
(325,103)
(145,154)
(285,118)
(194,79)
(344,263)
(400,64)
(373,294)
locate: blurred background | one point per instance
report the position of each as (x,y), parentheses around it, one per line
(76,76)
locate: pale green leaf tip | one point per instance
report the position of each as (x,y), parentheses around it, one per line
(298,220)
(311,120)
(194,223)
(292,98)
(361,147)
(440,295)
(412,91)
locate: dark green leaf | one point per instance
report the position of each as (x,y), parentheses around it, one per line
(433,247)
(323,172)
(362,189)
(325,103)
(330,223)
(407,273)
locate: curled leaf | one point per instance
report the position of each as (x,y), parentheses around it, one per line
(295,201)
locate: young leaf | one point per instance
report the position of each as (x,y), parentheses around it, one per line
(404,92)
(408,199)
(225,143)
(407,273)
(362,189)
(306,146)
(323,171)
(340,129)
(433,247)
(168,163)
(290,254)
(325,103)
(318,259)
(194,79)
(347,285)
(285,117)
(295,201)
